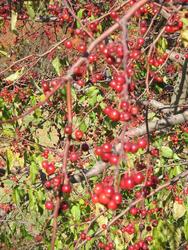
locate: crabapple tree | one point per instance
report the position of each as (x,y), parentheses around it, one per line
(94,124)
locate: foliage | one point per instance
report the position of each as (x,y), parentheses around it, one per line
(108,96)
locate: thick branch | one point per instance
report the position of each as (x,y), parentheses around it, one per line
(139,131)
(159,124)
(181,88)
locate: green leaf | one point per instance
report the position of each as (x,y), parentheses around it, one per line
(4,53)
(14,76)
(100,98)
(57,65)
(92,91)
(101,219)
(30,9)
(85,124)
(185,137)
(14,16)
(31,198)
(177,170)
(102,105)
(118,243)
(79,15)
(167,152)
(178,210)
(184,37)
(151,115)
(92,100)
(47,136)
(186,228)
(162,44)
(10,159)
(89,244)
(75,211)
(16,196)
(176,157)
(33,172)
(175,243)
(185,21)
(8,130)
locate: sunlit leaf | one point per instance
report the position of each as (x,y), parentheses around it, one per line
(57,65)
(33,172)
(14,16)
(75,211)
(167,152)
(14,76)
(30,9)
(178,210)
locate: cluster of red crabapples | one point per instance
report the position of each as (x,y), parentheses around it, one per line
(127,112)
(106,195)
(174,26)
(56,182)
(130,180)
(105,151)
(47,87)
(62,14)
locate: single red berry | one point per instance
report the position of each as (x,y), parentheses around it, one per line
(68,44)
(114,159)
(124,105)
(114,15)
(66,188)
(45,86)
(98,151)
(134,148)
(78,134)
(134,110)
(95,198)
(105,156)
(50,169)
(49,205)
(138,178)
(117,197)
(101,245)
(64,206)
(127,183)
(134,211)
(127,147)
(82,48)
(108,191)
(142,143)
(47,184)
(98,188)
(68,130)
(103,199)
(106,147)
(83,236)
(73,156)
(114,115)
(38,238)
(45,164)
(112,205)
(155,152)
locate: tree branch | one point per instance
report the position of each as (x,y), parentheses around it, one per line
(139,131)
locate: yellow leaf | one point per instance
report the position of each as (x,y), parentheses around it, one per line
(14,16)
(184,36)
(178,210)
